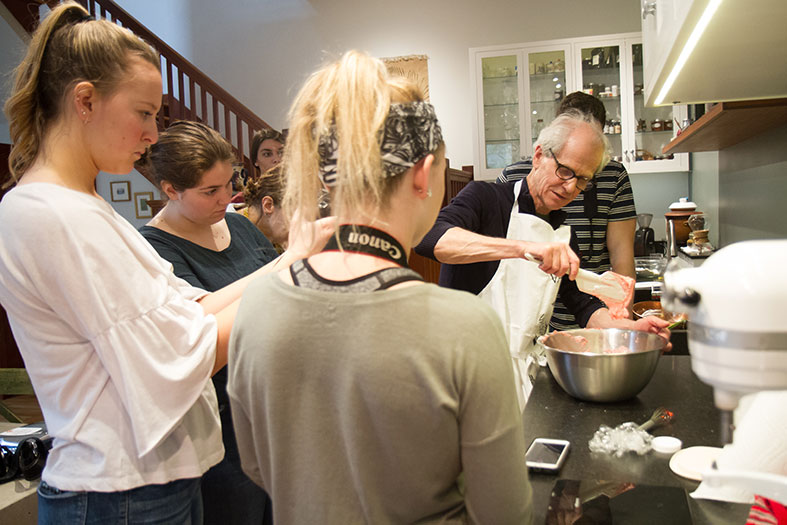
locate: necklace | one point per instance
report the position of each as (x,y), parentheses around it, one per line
(356,238)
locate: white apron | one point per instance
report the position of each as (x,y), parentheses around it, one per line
(523,296)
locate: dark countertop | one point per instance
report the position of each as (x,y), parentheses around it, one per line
(552,413)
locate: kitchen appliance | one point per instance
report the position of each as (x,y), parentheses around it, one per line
(644,236)
(677,224)
(737,336)
(602,365)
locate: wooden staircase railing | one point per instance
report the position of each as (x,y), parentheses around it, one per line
(189,94)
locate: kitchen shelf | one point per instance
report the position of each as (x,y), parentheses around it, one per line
(728,123)
(510,77)
(540,76)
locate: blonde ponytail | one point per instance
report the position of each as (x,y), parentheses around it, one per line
(68,47)
(348,100)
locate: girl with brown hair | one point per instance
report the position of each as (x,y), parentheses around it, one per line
(210,249)
(263,197)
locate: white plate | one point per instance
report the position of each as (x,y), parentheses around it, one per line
(693,461)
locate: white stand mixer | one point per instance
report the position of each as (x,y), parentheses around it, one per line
(737,334)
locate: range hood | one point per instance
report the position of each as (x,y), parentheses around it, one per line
(732,50)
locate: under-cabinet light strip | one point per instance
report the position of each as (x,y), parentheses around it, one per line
(710,10)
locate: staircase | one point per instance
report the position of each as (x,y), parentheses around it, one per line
(188,93)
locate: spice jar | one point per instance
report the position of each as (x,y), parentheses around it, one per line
(657,125)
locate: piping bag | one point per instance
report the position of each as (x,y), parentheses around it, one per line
(614,289)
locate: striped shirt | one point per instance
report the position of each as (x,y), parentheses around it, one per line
(614,202)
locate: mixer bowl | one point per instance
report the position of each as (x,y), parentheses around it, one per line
(603,365)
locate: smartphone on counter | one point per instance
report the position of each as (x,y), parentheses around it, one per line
(547,455)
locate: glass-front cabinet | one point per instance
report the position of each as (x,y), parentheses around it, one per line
(522,86)
(500,96)
(546,87)
(654,128)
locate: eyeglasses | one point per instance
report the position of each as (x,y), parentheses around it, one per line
(565,173)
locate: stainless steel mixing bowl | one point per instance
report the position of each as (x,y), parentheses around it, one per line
(603,365)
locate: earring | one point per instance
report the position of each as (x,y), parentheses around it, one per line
(429,192)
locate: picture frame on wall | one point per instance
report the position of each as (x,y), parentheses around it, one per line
(120,190)
(141,206)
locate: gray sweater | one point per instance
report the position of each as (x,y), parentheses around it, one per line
(395,406)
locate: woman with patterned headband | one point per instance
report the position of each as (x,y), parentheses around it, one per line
(356,399)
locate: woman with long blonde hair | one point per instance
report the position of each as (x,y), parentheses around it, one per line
(119,350)
(367,395)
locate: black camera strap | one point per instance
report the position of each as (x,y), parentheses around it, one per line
(356,238)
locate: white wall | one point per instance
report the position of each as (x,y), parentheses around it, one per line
(165,17)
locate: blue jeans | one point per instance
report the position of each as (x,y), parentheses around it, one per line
(178,502)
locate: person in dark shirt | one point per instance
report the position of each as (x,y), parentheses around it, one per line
(210,249)
(602,217)
(488,231)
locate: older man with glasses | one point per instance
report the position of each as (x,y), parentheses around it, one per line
(603,217)
(488,235)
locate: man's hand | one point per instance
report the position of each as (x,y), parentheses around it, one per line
(655,325)
(556,258)
(652,324)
